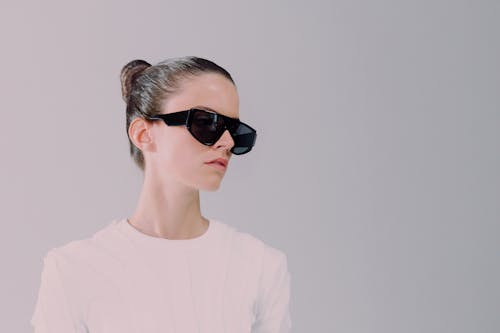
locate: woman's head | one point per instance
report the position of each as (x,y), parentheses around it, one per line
(170,86)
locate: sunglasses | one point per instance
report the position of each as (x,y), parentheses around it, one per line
(207,127)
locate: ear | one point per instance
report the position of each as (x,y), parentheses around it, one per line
(140,134)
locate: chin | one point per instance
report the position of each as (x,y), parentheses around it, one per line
(211,187)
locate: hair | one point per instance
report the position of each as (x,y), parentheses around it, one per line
(146,87)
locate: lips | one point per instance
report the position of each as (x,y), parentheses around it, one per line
(220,161)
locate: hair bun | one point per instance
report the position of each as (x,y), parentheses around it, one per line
(128,75)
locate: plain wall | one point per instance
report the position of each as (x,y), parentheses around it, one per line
(375,168)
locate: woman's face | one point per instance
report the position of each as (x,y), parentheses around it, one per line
(178,156)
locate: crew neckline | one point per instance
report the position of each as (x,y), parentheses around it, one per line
(138,236)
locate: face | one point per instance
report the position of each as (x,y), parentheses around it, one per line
(178,156)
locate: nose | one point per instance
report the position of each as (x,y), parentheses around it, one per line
(225,141)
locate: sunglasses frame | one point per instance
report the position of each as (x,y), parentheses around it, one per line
(184,117)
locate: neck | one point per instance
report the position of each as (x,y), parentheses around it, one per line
(168,209)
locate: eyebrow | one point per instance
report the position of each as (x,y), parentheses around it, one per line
(204,108)
(210,109)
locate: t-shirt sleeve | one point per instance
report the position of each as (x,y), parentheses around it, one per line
(273,305)
(52,310)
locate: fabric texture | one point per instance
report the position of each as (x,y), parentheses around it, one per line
(122,280)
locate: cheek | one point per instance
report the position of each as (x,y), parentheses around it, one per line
(183,153)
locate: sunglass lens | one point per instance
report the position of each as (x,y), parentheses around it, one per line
(206,126)
(244,139)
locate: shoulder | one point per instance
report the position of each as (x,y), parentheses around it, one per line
(254,248)
(73,255)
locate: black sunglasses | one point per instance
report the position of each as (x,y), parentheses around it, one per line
(207,127)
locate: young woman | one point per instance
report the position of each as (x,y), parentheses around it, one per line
(167,268)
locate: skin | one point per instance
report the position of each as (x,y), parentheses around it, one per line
(175,169)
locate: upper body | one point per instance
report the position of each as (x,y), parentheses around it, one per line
(167,268)
(122,280)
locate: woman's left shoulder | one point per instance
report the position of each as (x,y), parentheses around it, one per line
(253,246)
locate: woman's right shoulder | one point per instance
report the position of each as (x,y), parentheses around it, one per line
(84,250)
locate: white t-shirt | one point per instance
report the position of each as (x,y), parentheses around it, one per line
(125,281)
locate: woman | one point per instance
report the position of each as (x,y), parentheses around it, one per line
(167,268)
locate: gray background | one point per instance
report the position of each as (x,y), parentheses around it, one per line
(376,166)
